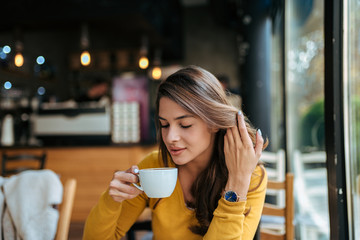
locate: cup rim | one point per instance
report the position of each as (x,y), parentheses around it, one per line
(157,169)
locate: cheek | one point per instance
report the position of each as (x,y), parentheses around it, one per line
(198,137)
(190,135)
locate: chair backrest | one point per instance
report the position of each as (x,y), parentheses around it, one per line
(16,163)
(312,194)
(311,167)
(274,163)
(65,210)
(287,212)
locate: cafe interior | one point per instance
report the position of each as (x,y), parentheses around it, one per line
(78,81)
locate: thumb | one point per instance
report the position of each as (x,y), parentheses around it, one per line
(134,169)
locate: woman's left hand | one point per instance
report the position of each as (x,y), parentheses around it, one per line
(241,156)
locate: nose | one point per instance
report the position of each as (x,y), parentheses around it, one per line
(172,134)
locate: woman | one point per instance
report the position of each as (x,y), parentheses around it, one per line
(221,186)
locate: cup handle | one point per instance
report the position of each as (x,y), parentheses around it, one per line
(138,187)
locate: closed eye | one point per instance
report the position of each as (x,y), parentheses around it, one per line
(187,126)
(164,126)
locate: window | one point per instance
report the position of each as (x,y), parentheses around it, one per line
(304,78)
(352,112)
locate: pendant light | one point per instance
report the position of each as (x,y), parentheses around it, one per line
(156,72)
(85,57)
(144,61)
(19,58)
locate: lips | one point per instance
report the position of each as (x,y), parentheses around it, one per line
(175,151)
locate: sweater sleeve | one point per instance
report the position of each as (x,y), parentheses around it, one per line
(101,222)
(239,220)
(109,219)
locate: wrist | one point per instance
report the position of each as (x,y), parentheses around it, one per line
(239,186)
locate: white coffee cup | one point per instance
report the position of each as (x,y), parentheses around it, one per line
(157,182)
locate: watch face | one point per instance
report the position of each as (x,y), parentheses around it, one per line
(230,196)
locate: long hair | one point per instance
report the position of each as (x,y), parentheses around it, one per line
(200,93)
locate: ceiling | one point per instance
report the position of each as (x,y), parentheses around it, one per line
(37,14)
(159,20)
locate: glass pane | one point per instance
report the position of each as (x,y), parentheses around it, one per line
(353,90)
(305,116)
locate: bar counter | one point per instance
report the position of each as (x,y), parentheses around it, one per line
(93,168)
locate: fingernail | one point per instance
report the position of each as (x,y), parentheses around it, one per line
(240,113)
(136,170)
(259,131)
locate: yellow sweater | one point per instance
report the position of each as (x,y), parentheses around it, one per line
(171,218)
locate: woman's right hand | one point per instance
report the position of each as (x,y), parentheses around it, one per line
(121,187)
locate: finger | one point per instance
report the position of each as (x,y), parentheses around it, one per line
(134,169)
(128,189)
(120,196)
(116,187)
(117,190)
(126,177)
(230,137)
(236,135)
(246,140)
(226,142)
(259,143)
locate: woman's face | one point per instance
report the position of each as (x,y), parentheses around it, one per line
(186,136)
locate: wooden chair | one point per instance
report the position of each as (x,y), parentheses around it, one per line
(274,163)
(16,163)
(312,194)
(68,196)
(286,212)
(65,209)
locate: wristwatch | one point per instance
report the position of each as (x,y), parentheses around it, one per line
(232,196)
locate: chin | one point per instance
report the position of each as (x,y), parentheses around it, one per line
(180,160)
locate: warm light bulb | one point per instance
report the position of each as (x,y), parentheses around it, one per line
(143,62)
(85,58)
(156,73)
(19,60)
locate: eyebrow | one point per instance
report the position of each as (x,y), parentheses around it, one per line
(181,117)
